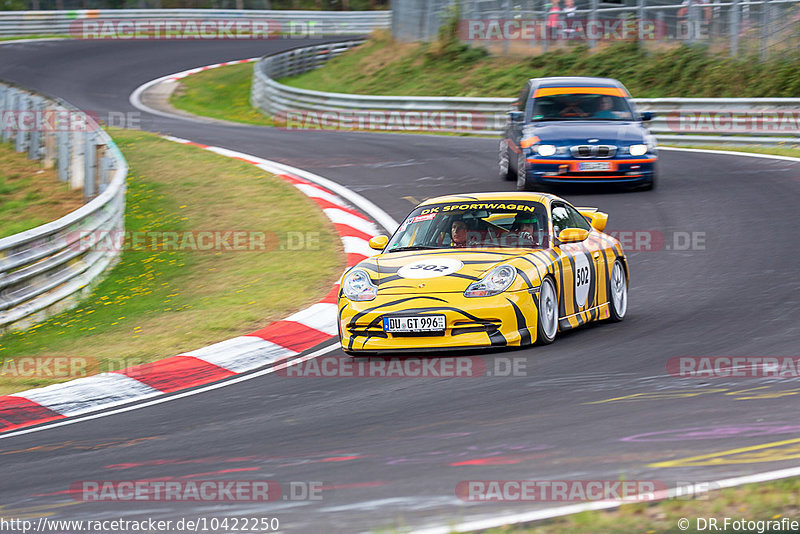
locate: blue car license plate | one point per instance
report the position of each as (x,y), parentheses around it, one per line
(594,166)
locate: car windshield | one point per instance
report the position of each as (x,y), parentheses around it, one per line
(577,106)
(471,224)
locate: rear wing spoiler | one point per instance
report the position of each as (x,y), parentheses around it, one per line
(596,218)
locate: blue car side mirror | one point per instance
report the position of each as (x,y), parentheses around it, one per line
(647,115)
(515,116)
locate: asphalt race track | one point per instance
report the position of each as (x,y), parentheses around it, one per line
(597,404)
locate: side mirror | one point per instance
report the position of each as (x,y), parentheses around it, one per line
(515,116)
(573,235)
(647,115)
(379,242)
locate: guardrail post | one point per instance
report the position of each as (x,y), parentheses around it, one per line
(35,137)
(63,155)
(76,166)
(735,17)
(49,146)
(19,145)
(8,106)
(105,170)
(764,29)
(89,168)
(640,14)
(507,14)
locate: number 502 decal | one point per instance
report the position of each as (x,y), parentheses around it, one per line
(583,277)
(430,268)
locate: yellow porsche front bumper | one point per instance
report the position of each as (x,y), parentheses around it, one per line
(507,319)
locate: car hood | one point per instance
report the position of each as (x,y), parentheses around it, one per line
(441,271)
(579,132)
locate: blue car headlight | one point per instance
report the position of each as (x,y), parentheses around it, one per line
(545,150)
(638,150)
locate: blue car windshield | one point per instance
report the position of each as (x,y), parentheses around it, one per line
(579,106)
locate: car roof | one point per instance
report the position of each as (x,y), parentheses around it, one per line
(576,81)
(509,196)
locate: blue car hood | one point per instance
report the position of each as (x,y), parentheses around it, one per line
(579,132)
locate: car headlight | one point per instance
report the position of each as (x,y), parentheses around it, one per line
(638,150)
(493,283)
(545,150)
(358,286)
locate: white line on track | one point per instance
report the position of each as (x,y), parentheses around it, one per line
(228,382)
(558,511)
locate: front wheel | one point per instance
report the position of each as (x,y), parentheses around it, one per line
(547,323)
(618,285)
(522,173)
(503,162)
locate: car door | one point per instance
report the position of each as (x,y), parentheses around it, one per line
(583,267)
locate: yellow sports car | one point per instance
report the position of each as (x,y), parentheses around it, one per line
(483,270)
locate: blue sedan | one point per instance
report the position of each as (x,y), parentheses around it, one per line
(577,130)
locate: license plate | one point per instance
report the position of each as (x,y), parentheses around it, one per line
(594,166)
(416,323)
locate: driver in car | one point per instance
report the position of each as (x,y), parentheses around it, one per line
(526,225)
(458,233)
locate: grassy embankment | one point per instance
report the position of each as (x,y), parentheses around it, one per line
(29,195)
(159,301)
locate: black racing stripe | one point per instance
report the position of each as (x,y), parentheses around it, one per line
(497,339)
(478,262)
(561,306)
(368,264)
(525,277)
(535,266)
(464,276)
(402,287)
(522,326)
(390,279)
(607,276)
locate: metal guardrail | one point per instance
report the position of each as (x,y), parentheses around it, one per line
(768,121)
(302,23)
(49,268)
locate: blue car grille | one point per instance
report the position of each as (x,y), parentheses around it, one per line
(593,151)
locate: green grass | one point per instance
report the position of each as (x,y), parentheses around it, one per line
(449,68)
(221,93)
(778,150)
(29,195)
(38,36)
(767,501)
(158,303)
